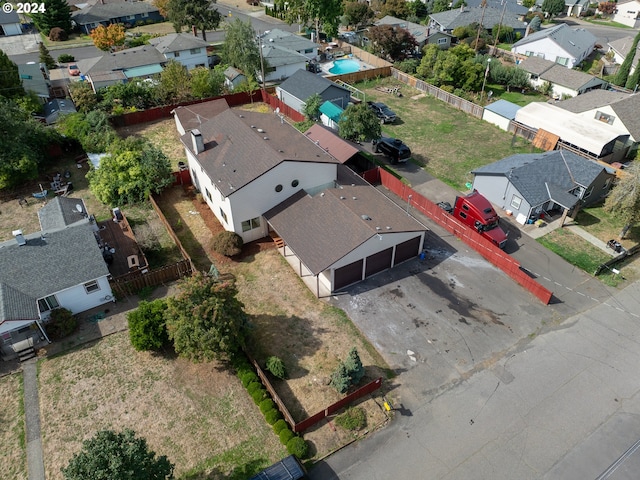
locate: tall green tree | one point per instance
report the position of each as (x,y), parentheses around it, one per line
(392,43)
(623,200)
(110,455)
(317,13)
(311,107)
(359,123)
(174,83)
(395,8)
(206,83)
(206,320)
(57,13)
(133,169)
(622,75)
(45,57)
(83,96)
(440,6)
(534,26)
(10,83)
(240,48)
(196,14)
(553,7)
(357,14)
(147,325)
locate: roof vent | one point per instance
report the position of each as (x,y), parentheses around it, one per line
(354,198)
(260,130)
(378,228)
(266,138)
(388,227)
(241,116)
(322,194)
(19,237)
(343,198)
(365,217)
(253,126)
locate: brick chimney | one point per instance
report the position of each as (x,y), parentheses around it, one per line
(196,141)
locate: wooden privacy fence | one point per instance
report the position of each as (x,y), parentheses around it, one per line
(131,283)
(453,100)
(313,419)
(274,102)
(468,235)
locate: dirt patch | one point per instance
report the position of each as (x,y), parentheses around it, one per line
(13,461)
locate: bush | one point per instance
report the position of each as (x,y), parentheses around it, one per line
(273,416)
(247,378)
(276,366)
(354,418)
(259,395)
(285,435)
(56,34)
(66,58)
(61,323)
(298,446)
(279,426)
(227,243)
(253,386)
(266,405)
(148,326)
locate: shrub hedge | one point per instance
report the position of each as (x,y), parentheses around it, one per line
(285,435)
(298,446)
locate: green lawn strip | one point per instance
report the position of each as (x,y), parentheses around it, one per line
(604,225)
(574,250)
(13,461)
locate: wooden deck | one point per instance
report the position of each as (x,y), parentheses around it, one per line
(128,256)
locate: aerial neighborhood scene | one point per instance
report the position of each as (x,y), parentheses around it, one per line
(319,239)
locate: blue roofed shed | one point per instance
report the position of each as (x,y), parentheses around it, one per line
(330,114)
(500,113)
(288,468)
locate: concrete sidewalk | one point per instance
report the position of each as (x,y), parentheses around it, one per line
(35,460)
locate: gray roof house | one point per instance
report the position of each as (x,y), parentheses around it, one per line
(510,6)
(565,82)
(185,48)
(127,13)
(282,62)
(56,107)
(9,24)
(561,44)
(530,185)
(233,77)
(621,48)
(461,17)
(291,41)
(60,266)
(295,90)
(421,33)
(628,13)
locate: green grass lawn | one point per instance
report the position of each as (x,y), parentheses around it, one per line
(448,142)
(605,226)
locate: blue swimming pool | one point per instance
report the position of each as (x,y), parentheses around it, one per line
(345,66)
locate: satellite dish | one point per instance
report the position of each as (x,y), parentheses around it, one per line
(79,208)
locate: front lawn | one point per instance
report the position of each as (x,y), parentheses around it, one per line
(13,461)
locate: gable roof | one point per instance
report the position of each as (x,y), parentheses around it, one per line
(458,17)
(419,32)
(331,143)
(33,79)
(193,116)
(574,41)
(287,40)
(303,84)
(241,145)
(568,77)
(504,108)
(9,18)
(62,105)
(331,110)
(232,73)
(538,176)
(622,47)
(278,56)
(324,228)
(508,5)
(105,12)
(16,305)
(122,60)
(61,212)
(177,42)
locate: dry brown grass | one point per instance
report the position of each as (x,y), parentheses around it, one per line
(162,134)
(13,460)
(198,415)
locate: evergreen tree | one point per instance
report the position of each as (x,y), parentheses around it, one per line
(10,83)
(197,14)
(240,48)
(57,13)
(45,56)
(622,76)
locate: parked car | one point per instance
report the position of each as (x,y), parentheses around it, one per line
(392,148)
(73,69)
(384,113)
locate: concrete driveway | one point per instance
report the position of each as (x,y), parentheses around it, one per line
(19,44)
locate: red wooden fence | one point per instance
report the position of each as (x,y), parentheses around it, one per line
(468,235)
(285,109)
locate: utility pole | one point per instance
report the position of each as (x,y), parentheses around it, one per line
(495,42)
(484,7)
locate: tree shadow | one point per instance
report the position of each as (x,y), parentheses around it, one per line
(586,219)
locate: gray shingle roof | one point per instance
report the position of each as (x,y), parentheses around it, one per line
(622,47)
(535,174)
(326,139)
(324,228)
(419,32)
(303,84)
(15,305)
(567,77)
(177,42)
(102,13)
(129,58)
(192,116)
(452,19)
(504,108)
(61,212)
(574,41)
(278,56)
(535,65)
(508,5)
(287,40)
(236,152)
(64,259)
(9,18)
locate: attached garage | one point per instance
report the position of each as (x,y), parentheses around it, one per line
(407,250)
(378,262)
(347,275)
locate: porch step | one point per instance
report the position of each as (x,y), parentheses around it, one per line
(277,240)
(26,354)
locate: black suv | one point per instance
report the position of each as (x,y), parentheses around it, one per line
(384,113)
(392,148)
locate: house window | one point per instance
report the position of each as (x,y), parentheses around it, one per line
(144,14)
(208,193)
(529,54)
(48,303)
(195,51)
(562,61)
(91,286)
(442,41)
(605,118)
(131,17)
(176,54)
(516,201)
(224,216)
(250,224)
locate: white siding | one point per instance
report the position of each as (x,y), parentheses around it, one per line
(547,49)
(628,14)
(500,121)
(78,300)
(284,71)
(188,59)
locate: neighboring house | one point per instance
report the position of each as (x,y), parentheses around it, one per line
(596,138)
(621,48)
(259,175)
(346,152)
(281,62)
(60,266)
(565,82)
(421,33)
(500,113)
(561,44)
(572,8)
(461,17)
(529,185)
(330,114)
(35,78)
(127,13)
(617,110)
(233,77)
(628,13)
(295,90)
(509,7)
(9,24)
(119,67)
(185,48)
(56,107)
(291,41)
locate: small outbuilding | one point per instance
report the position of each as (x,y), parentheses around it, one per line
(500,113)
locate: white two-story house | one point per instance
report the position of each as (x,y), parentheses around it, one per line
(184,48)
